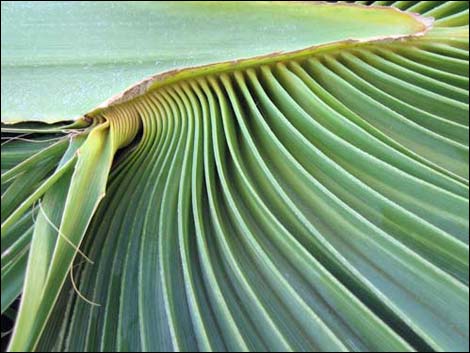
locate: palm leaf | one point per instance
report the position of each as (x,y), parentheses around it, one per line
(306,190)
